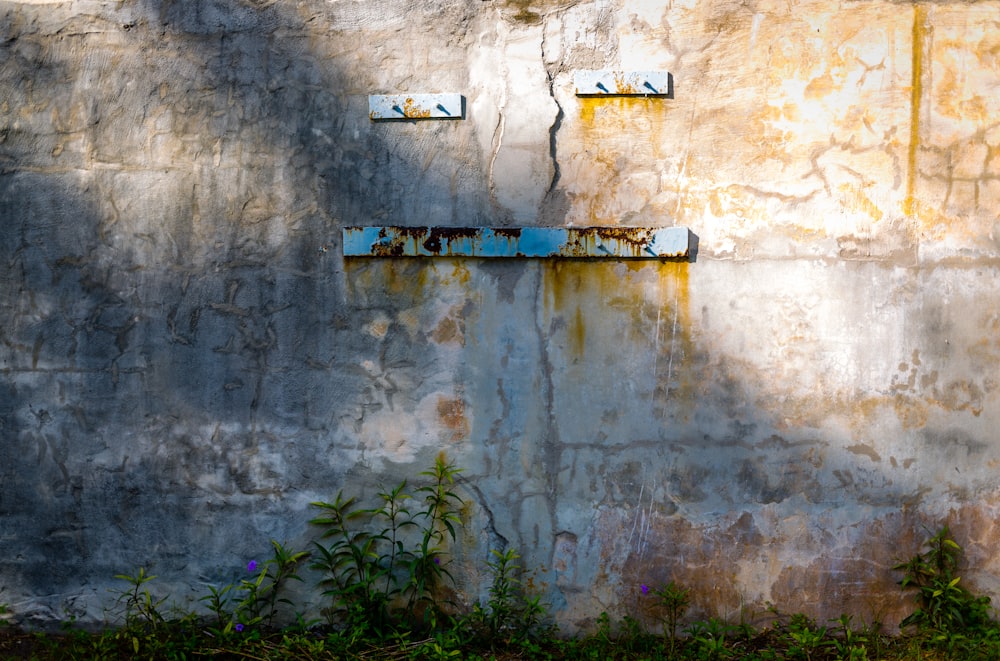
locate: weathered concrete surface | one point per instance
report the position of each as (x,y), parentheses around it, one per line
(188,360)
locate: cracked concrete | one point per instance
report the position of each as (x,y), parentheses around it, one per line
(188,359)
(514,79)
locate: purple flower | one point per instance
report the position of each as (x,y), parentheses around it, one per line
(645,589)
(252,566)
(239,627)
(437,561)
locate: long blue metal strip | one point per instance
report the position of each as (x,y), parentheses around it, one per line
(594,242)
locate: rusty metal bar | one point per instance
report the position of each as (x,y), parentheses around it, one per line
(576,242)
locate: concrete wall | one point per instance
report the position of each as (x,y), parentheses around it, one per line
(188,360)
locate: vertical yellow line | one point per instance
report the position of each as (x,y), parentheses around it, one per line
(916,93)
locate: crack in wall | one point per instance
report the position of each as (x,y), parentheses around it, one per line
(553,140)
(557,123)
(498,131)
(551,447)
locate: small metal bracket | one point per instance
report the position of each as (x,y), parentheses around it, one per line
(573,242)
(604,82)
(383,107)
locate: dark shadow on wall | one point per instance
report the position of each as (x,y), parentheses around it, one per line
(175,345)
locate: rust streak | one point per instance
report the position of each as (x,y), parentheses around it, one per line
(412,110)
(916,92)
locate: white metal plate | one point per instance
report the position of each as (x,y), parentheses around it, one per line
(415,106)
(606,82)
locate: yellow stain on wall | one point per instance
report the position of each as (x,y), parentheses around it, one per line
(565,294)
(916,92)
(627,142)
(820,86)
(769,132)
(600,304)
(854,198)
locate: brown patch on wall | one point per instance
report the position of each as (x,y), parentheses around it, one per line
(824,575)
(371,280)
(962,395)
(450,329)
(522,11)
(577,333)
(451,415)
(912,412)
(566,284)
(866,450)
(831,585)
(820,86)
(703,562)
(976,528)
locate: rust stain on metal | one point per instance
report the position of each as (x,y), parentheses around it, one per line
(510,233)
(433,243)
(414,111)
(622,85)
(571,242)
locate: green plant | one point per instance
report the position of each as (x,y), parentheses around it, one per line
(674,601)
(503,592)
(347,564)
(260,600)
(138,606)
(281,568)
(603,638)
(217,601)
(254,602)
(509,615)
(944,607)
(849,644)
(709,639)
(382,565)
(439,516)
(437,648)
(146,632)
(806,639)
